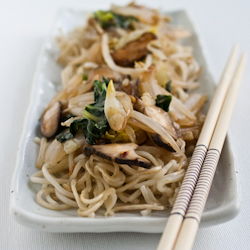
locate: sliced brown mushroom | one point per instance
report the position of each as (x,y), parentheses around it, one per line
(133,51)
(99,73)
(121,153)
(51,120)
(162,117)
(130,87)
(161,143)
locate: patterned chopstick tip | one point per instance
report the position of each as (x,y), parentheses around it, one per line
(189,182)
(204,183)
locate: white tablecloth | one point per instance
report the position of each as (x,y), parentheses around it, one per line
(24,26)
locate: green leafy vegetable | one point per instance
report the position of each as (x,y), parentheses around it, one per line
(84,77)
(106,80)
(163,101)
(115,137)
(108,19)
(168,86)
(94,123)
(64,136)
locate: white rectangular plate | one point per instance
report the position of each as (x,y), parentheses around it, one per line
(223,201)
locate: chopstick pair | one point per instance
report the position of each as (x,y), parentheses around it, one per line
(185,216)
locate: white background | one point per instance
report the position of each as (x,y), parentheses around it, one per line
(24,26)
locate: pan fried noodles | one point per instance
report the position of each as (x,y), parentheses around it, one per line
(120,133)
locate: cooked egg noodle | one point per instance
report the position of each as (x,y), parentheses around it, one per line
(96,183)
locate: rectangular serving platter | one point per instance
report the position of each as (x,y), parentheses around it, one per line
(223,203)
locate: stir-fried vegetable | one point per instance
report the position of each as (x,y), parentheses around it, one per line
(84,77)
(108,19)
(114,136)
(94,123)
(118,108)
(163,101)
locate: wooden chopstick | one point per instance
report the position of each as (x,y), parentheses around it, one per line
(181,204)
(192,219)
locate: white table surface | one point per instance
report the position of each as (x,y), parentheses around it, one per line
(24,26)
